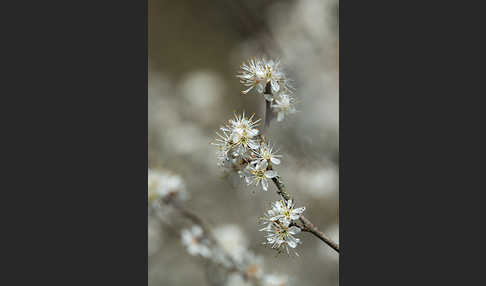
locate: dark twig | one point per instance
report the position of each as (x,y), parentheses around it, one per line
(308,226)
(268,107)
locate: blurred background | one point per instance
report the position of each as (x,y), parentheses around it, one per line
(195,50)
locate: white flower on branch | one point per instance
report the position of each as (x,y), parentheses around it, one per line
(284,212)
(259,175)
(238,136)
(195,242)
(163,184)
(266,153)
(258,72)
(284,104)
(281,235)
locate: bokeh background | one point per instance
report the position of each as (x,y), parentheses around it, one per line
(195,50)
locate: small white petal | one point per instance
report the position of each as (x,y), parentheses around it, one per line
(264,185)
(260,88)
(253,145)
(294,230)
(291,242)
(299,210)
(275,86)
(252,132)
(248,90)
(264,164)
(275,160)
(270,174)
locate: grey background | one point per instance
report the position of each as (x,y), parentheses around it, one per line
(195,49)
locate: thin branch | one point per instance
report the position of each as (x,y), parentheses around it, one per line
(308,226)
(268,107)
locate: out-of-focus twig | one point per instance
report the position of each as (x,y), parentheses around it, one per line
(194,218)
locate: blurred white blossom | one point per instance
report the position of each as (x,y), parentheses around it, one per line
(275,280)
(319,182)
(237,280)
(195,241)
(184,138)
(253,265)
(163,184)
(284,105)
(233,241)
(202,89)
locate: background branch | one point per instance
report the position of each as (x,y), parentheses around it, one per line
(194,218)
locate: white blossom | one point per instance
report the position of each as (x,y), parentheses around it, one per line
(266,153)
(195,242)
(283,104)
(258,174)
(284,212)
(281,235)
(238,136)
(257,73)
(163,184)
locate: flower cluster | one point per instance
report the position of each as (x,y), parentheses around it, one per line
(243,151)
(163,184)
(279,225)
(267,78)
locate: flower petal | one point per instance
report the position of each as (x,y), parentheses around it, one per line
(294,230)
(263,164)
(275,86)
(270,174)
(268,97)
(299,210)
(264,185)
(275,160)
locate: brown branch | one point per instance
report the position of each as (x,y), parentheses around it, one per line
(268,107)
(308,226)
